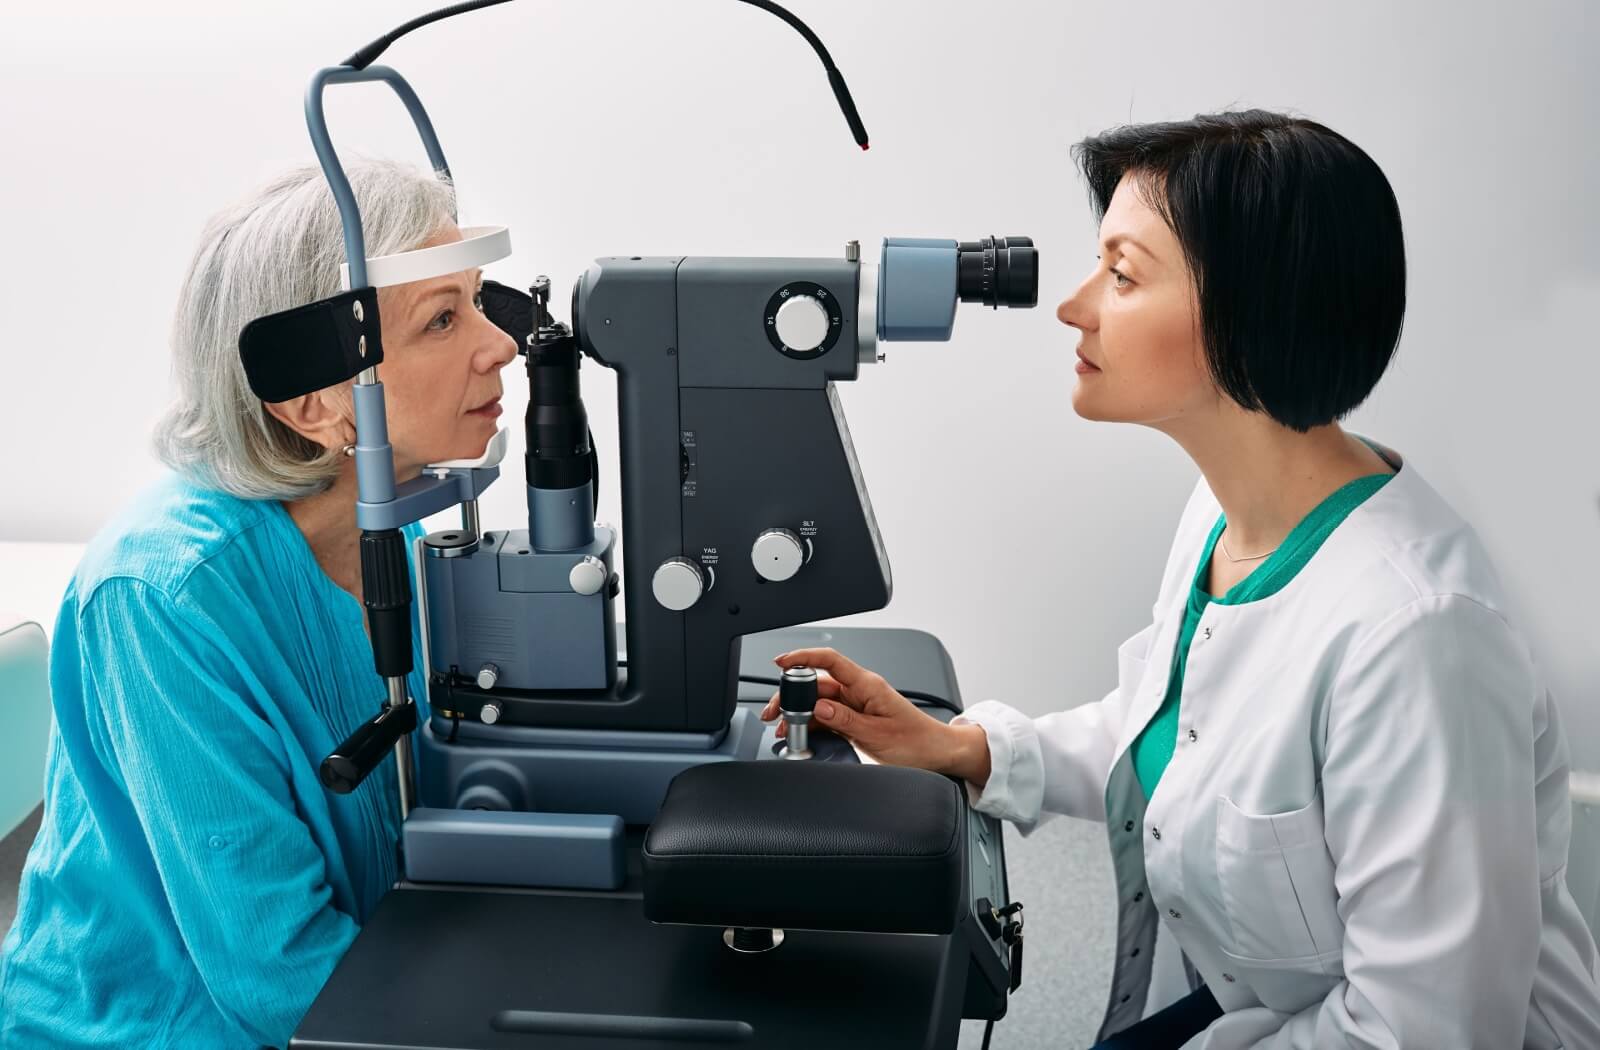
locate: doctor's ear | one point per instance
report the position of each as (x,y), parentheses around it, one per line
(322,417)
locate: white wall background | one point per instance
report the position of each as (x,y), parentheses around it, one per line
(703,126)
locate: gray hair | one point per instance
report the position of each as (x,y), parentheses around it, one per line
(279,248)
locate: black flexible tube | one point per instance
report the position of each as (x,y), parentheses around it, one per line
(841,92)
(369,54)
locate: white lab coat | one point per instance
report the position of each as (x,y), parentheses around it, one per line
(1361,839)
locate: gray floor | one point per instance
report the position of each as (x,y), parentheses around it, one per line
(1062,873)
(13,850)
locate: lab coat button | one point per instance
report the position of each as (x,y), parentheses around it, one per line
(1207,638)
(1137,897)
(1193,736)
(1175,913)
(1134,954)
(1228,977)
(1125,998)
(1128,826)
(1155,833)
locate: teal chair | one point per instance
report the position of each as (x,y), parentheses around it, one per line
(1583,859)
(25,713)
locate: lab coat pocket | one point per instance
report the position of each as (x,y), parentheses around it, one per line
(1131,663)
(1286,986)
(1276,881)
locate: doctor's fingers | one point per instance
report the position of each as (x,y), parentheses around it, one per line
(868,730)
(847,671)
(828,688)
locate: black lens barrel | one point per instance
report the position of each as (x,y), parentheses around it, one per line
(557,425)
(998,270)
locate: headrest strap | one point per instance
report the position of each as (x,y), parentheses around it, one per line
(310,347)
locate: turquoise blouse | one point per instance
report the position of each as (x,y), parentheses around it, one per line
(192,883)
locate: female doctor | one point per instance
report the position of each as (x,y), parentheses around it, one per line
(1329,770)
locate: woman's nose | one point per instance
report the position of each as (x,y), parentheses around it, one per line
(497,349)
(1076,310)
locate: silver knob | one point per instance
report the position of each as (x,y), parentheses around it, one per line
(778,555)
(488,675)
(588,575)
(802,323)
(489,714)
(678,583)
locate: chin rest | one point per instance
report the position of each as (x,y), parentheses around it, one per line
(808,845)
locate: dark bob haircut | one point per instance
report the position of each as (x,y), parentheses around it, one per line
(1293,236)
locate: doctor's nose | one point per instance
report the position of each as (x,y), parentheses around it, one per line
(1075,310)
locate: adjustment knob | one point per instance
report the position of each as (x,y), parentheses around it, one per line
(678,584)
(488,675)
(489,714)
(797,698)
(778,555)
(797,690)
(588,575)
(802,323)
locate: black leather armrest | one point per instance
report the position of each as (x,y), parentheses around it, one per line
(808,845)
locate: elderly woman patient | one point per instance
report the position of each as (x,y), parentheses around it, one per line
(193,884)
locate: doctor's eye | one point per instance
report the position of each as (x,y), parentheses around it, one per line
(477,300)
(441,322)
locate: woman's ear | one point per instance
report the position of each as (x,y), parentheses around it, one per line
(319,416)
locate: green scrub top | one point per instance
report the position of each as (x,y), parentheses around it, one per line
(1153,747)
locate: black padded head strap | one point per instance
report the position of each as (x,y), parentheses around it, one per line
(510,310)
(308,348)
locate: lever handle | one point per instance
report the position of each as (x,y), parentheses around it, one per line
(797,698)
(797,692)
(362,750)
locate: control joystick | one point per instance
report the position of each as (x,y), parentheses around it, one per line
(797,698)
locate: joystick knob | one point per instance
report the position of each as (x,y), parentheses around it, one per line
(797,699)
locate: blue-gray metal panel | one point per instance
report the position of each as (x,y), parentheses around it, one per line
(567,850)
(917,289)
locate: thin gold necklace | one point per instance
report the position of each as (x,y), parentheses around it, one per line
(1230,557)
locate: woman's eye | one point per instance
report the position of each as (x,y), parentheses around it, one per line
(1121,278)
(440,323)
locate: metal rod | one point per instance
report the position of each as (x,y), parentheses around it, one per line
(469,518)
(355,249)
(799,737)
(404,773)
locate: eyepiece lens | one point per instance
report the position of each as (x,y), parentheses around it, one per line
(998,270)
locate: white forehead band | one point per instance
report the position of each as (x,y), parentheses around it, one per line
(478,245)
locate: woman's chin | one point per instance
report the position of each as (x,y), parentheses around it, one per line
(465,446)
(476,446)
(1083,404)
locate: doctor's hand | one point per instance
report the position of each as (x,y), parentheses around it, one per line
(866,710)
